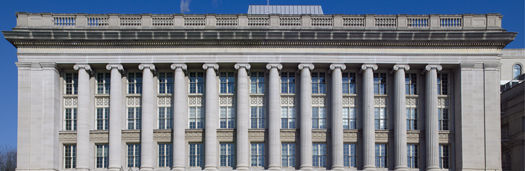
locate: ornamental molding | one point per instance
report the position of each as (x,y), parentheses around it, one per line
(401,66)
(371,66)
(177,66)
(270,66)
(212,66)
(257,100)
(86,67)
(337,66)
(245,66)
(70,102)
(305,66)
(149,66)
(115,66)
(434,66)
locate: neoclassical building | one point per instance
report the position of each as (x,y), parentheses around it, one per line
(259,92)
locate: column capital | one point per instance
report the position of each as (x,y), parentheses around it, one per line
(181,66)
(245,66)
(150,66)
(306,66)
(82,66)
(335,66)
(214,66)
(48,66)
(366,66)
(401,66)
(114,66)
(430,67)
(270,66)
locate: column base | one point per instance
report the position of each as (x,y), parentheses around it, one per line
(433,169)
(369,168)
(242,168)
(401,168)
(274,168)
(146,169)
(178,169)
(115,169)
(82,169)
(210,168)
(338,168)
(306,168)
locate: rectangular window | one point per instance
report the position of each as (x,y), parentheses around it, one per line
(165,83)
(71,82)
(227,117)
(319,155)
(442,81)
(381,155)
(411,118)
(288,155)
(318,83)
(70,156)
(70,119)
(134,117)
(102,118)
(350,155)
(411,84)
(165,155)
(196,117)
(287,117)
(380,118)
(257,117)
(288,83)
(196,82)
(227,155)
(349,118)
(195,155)
(349,83)
(134,155)
(102,155)
(443,118)
(379,83)
(257,82)
(227,80)
(318,117)
(443,156)
(134,83)
(412,153)
(165,115)
(103,83)
(257,152)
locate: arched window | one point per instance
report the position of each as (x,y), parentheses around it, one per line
(516,71)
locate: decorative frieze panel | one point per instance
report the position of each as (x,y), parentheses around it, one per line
(350,135)
(133,101)
(318,100)
(67,137)
(414,136)
(194,135)
(442,102)
(411,101)
(131,136)
(349,101)
(102,101)
(70,101)
(445,137)
(287,100)
(162,135)
(382,136)
(256,100)
(319,135)
(380,101)
(164,101)
(256,135)
(99,136)
(225,135)
(226,100)
(288,135)
(195,100)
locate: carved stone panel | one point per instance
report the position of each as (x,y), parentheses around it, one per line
(164,101)
(225,135)
(102,101)
(350,135)
(70,102)
(256,100)
(288,135)
(256,135)
(194,135)
(319,135)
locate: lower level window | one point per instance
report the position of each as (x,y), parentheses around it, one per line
(102,155)
(380,118)
(134,117)
(350,155)
(165,155)
(227,117)
(257,152)
(381,155)
(227,155)
(195,155)
(70,156)
(102,118)
(318,118)
(287,117)
(70,119)
(443,156)
(165,114)
(288,155)
(412,155)
(319,155)
(443,118)
(134,155)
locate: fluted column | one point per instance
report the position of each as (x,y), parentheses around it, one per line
(243,114)
(306,116)
(274,117)
(400,132)
(212,111)
(148,113)
(115,113)
(180,112)
(431,124)
(337,116)
(83,116)
(368,116)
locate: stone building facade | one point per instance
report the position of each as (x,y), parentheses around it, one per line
(290,92)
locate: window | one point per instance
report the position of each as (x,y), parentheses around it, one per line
(319,155)
(257,117)
(318,83)
(195,155)
(102,118)
(71,83)
(288,155)
(134,155)
(134,83)
(227,117)
(227,155)
(379,83)
(102,155)
(70,156)
(165,83)
(70,119)
(411,118)
(257,152)
(257,82)
(350,155)
(349,118)
(103,83)
(288,117)
(227,82)
(443,118)
(288,83)
(165,115)
(134,117)
(443,156)
(319,117)
(165,154)
(381,155)
(412,153)
(442,81)
(196,82)
(196,117)
(349,83)
(380,118)
(410,84)
(516,71)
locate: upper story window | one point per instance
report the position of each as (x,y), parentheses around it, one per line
(516,71)
(379,83)
(349,118)
(318,117)
(411,84)
(442,81)
(318,83)
(349,83)
(165,83)
(257,83)
(70,119)
(103,83)
(71,83)
(227,117)
(134,83)
(196,82)
(227,82)
(288,82)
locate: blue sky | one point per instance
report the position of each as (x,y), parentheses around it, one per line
(512,11)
